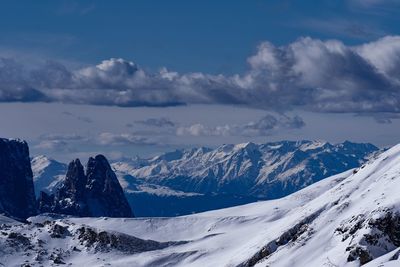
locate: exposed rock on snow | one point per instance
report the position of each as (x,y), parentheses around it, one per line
(49,243)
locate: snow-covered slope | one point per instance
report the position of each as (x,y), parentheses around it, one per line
(47,173)
(345,220)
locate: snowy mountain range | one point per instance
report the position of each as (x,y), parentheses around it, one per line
(267,170)
(349,219)
(201,179)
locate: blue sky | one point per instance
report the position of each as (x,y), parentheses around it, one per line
(140,77)
(207,36)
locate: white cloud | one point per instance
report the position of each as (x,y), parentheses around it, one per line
(310,74)
(59,145)
(122,139)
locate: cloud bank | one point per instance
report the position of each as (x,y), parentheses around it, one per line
(308,74)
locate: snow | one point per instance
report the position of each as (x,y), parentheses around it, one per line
(269,170)
(47,173)
(238,174)
(301,229)
(313,145)
(229,237)
(7,220)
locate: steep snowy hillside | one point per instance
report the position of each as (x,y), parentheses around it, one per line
(269,170)
(47,173)
(349,219)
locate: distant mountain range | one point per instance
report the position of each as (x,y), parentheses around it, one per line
(200,179)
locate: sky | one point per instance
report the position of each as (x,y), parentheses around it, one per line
(127,78)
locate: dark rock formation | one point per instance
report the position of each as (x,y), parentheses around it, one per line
(17,197)
(45,202)
(71,196)
(108,241)
(105,196)
(96,193)
(372,236)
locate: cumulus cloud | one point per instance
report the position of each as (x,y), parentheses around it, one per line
(308,74)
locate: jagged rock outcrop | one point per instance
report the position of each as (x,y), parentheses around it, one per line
(17,197)
(71,196)
(105,196)
(96,193)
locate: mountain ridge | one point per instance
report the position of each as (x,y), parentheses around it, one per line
(199,179)
(245,168)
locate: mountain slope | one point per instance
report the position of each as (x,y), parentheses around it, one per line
(348,219)
(268,170)
(47,174)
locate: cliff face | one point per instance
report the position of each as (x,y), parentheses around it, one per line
(105,196)
(96,193)
(70,198)
(17,197)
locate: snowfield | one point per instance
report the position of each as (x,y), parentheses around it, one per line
(349,219)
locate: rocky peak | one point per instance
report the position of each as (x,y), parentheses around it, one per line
(17,197)
(96,193)
(98,172)
(104,193)
(75,181)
